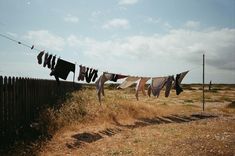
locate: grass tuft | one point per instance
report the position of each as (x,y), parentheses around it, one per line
(231,105)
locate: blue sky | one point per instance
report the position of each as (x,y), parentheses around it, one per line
(134,37)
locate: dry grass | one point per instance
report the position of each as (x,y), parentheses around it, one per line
(83,114)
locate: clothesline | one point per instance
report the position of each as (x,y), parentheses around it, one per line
(63,67)
(19,42)
(35,49)
(100,70)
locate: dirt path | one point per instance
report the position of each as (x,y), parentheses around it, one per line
(196,134)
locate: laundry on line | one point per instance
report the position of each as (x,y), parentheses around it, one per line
(61,68)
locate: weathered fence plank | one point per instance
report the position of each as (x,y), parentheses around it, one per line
(5,107)
(1,106)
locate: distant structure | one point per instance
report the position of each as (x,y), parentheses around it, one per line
(210,84)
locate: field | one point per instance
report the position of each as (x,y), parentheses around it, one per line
(121,125)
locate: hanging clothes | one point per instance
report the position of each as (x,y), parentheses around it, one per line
(88,72)
(49,61)
(178,80)
(39,57)
(45,60)
(149,90)
(157,84)
(53,62)
(91,75)
(100,84)
(169,81)
(182,75)
(82,73)
(62,69)
(128,82)
(140,86)
(95,75)
(115,77)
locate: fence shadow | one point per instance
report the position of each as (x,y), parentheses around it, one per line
(83,138)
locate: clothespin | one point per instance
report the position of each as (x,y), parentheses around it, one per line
(32,47)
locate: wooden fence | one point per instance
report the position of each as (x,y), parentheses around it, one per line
(22,98)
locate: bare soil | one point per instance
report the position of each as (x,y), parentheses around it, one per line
(174,126)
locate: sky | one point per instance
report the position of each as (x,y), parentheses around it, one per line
(133,37)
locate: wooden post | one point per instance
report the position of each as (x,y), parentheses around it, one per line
(203,81)
(74,76)
(1,107)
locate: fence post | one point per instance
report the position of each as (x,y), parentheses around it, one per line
(10,108)
(5,109)
(1,106)
(203,82)
(17,103)
(13,105)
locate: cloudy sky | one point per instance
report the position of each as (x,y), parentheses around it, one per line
(134,37)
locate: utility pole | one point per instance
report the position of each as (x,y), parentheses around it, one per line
(203,83)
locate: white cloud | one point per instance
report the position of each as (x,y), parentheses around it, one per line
(153,20)
(158,21)
(127,2)
(96,13)
(192,24)
(167,25)
(117,23)
(176,46)
(45,39)
(71,18)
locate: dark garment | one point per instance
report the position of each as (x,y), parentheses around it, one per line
(87,74)
(39,57)
(45,60)
(95,75)
(56,77)
(62,69)
(178,80)
(91,75)
(177,85)
(168,85)
(49,61)
(32,47)
(149,90)
(82,73)
(115,77)
(53,62)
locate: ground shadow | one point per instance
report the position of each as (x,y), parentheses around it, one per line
(85,137)
(82,138)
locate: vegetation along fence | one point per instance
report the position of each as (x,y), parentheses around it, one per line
(21,100)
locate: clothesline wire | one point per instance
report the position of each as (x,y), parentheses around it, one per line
(38,50)
(105,71)
(35,49)
(19,42)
